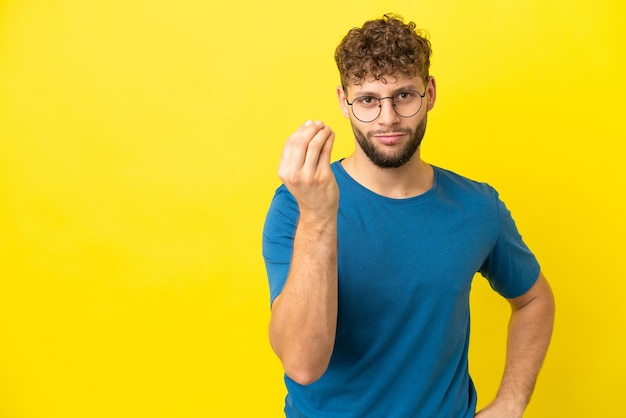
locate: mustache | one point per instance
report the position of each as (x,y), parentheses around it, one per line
(390,131)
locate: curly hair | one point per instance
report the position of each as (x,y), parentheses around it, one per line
(385,47)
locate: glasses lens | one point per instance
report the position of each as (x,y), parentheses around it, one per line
(405,103)
(366,109)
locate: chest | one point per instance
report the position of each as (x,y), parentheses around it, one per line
(391,255)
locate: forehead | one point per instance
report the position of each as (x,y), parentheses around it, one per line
(386,86)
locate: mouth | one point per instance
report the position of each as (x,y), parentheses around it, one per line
(391,138)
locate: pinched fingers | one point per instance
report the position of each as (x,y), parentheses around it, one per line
(318,149)
(306,151)
(305,168)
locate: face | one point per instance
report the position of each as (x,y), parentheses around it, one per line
(390,141)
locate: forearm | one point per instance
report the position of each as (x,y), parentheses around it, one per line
(304,315)
(529,333)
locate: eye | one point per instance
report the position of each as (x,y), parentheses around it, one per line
(366,101)
(405,96)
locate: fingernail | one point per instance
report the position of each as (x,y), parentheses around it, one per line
(308,122)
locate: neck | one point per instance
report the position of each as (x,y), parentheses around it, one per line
(412,179)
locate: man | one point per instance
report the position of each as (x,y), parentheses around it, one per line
(370,259)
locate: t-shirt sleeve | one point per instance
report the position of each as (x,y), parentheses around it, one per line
(278,235)
(511,268)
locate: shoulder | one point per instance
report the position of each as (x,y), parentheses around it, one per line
(284,202)
(450,178)
(283,212)
(337,168)
(282,194)
(460,186)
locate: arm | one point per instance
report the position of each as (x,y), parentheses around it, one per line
(304,315)
(530,330)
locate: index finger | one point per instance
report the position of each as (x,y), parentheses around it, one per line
(296,147)
(318,150)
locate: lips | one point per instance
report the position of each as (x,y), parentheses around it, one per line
(390,139)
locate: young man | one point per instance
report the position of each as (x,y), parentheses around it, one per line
(370,259)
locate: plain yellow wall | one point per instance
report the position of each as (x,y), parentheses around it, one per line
(139,143)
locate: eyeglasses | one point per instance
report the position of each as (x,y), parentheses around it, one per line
(406,103)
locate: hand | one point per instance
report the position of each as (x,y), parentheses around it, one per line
(305,170)
(499,410)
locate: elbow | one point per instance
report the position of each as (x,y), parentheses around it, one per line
(303,375)
(302,366)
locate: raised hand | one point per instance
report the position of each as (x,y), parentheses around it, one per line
(305,170)
(304,315)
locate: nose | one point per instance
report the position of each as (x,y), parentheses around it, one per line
(388,115)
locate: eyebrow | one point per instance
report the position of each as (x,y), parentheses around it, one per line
(365,93)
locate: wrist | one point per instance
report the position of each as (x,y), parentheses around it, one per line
(317,218)
(513,405)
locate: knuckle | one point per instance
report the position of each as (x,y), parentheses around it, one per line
(290,177)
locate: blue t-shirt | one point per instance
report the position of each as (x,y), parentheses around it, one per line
(405,272)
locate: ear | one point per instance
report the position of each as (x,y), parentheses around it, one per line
(341,96)
(431,92)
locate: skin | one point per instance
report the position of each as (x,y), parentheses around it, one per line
(304,315)
(529,333)
(387,135)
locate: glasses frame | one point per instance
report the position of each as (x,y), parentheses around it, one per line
(393,103)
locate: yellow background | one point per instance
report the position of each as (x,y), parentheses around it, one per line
(139,142)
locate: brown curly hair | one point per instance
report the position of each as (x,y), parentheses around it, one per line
(385,47)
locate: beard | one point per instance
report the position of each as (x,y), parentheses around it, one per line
(401,156)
